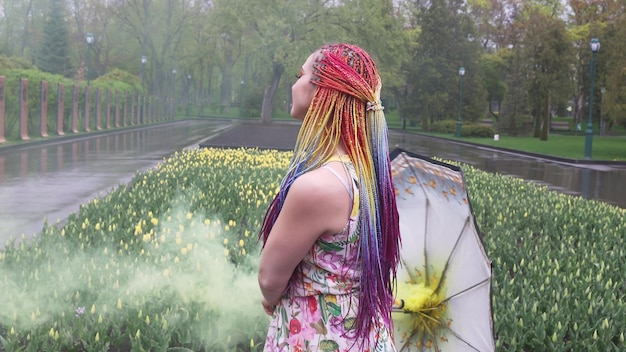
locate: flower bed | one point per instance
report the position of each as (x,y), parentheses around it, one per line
(168,262)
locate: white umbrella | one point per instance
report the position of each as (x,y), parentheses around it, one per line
(443,301)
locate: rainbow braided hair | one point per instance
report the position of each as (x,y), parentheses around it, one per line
(346,106)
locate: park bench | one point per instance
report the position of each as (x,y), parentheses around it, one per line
(559,126)
(486,122)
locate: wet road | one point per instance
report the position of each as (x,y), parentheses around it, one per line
(51,181)
(606,183)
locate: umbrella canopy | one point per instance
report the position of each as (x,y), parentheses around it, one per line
(443,301)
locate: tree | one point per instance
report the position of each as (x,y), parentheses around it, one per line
(160,28)
(493,67)
(285,32)
(446,42)
(548,55)
(613,102)
(378,27)
(54,51)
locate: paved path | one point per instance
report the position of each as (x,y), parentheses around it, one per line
(281,136)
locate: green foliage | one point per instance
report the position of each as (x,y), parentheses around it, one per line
(13,63)
(613,102)
(548,54)
(443,126)
(558,276)
(467,129)
(252,103)
(378,28)
(493,66)
(520,125)
(34,77)
(168,262)
(433,82)
(165,261)
(473,130)
(120,80)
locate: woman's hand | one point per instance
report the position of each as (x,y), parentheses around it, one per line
(268,308)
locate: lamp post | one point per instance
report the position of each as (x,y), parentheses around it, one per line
(144,59)
(242,83)
(595,47)
(142,113)
(188,103)
(90,39)
(174,93)
(459,122)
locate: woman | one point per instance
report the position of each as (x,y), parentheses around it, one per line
(331,235)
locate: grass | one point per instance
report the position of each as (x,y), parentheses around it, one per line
(565,144)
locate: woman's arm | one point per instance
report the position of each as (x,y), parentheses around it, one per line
(316,204)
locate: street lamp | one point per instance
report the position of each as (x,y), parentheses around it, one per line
(142,112)
(144,59)
(242,84)
(90,39)
(595,47)
(174,94)
(188,103)
(459,122)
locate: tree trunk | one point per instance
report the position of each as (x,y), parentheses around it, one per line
(268,95)
(226,90)
(545,125)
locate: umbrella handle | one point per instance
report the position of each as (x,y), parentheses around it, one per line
(398,304)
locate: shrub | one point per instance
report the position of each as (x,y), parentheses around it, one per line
(14,63)
(168,262)
(443,126)
(472,130)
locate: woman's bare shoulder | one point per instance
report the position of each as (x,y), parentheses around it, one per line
(319,196)
(316,185)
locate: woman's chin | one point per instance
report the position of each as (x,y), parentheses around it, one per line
(296,115)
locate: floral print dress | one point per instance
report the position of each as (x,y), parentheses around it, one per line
(321,303)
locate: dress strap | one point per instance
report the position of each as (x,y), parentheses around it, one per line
(341,179)
(351,187)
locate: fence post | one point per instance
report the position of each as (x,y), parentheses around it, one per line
(98,106)
(139,111)
(75,110)
(2,79)
(132,108)
(117,109)
(108,108)
(43,108)
(138,108)
(60,109)
(23,109)
(125,109)
(87,108)
(148,105)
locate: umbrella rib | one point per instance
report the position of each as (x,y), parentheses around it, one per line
(461,339)
(413,333)
(411,276)
(426,265)
(456,244)
(466,289)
